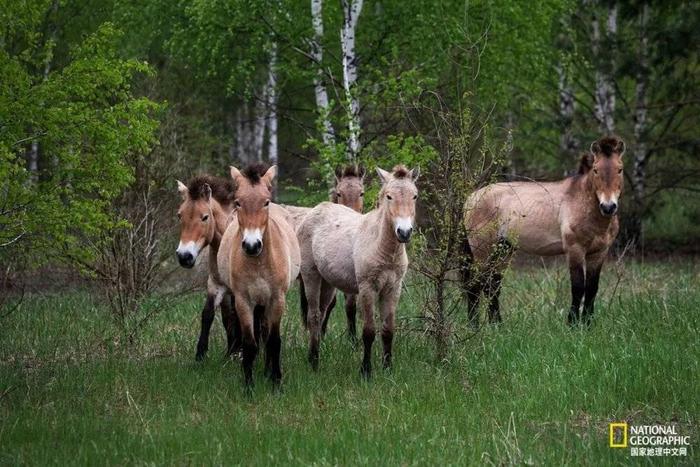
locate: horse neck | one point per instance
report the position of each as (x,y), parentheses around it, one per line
(388,247)
(220,215)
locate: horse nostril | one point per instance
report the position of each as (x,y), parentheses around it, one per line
(186,259)
(608,208)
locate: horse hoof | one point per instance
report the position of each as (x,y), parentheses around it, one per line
(313,359)
(201,355)
(366,372)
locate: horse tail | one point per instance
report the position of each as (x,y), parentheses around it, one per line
(466,260)
(303,304)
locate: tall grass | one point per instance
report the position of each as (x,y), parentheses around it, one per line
(529,391)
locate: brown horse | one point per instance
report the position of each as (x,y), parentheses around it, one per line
(349,190)
(359,254)
(575,217)
(259,260)
(206,204)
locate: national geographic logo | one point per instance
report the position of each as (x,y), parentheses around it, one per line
(648,440)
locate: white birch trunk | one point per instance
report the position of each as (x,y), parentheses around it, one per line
(272,151)
(605,89)
(322,102)
(351,13)
(259,117)
(640,114)
(568,144)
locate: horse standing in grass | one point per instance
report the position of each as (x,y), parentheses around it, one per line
(349,190)
(206,205)
(259,260)
(359,254)
(575,217)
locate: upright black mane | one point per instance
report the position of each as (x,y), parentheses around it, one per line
(223,190)
(254,172)
(350,171)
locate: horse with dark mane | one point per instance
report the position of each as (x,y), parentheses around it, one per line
(575,217)
(207,202)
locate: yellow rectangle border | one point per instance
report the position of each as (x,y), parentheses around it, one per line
(622,425)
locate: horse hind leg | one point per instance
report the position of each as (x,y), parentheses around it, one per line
(312,284)
(351,314)
(498,262)
(327,314)
(231,325)
(471,283)
(207,320)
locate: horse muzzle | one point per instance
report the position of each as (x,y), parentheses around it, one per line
(186,259)
(404,234)
(253,248)
(608,209)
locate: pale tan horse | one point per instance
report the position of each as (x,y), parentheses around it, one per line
(349,190)
(259,260)
(359,254)
(204,212)
(575,217)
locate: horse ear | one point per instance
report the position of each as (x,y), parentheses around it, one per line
(361,172)
(595,148)
(338,173)
(621,147)
(206,189)
(384,176)
(270,175)
(414,174)
(182,189)
(586,163)
(235,174)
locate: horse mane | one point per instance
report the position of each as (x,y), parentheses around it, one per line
(350,171)
(254,172)
(609,145)
(584,164)
(400,171)
(223,190)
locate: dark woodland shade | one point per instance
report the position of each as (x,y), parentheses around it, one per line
(350,171)
(222,189)
(254,172)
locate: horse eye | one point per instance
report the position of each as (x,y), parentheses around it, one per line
(619,171)
(362,194)
(339,194)
(179,216)
(415,196)
(595,171)
(205,217)
(237,203)
(267,203)
(388,197)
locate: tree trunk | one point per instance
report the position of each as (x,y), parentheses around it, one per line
(641,152)
(605,89)
(568,143)
(322,102)
(351,13)
(272,151)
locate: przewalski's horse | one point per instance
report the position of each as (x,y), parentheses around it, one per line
(259,260)
(575,217)
(349,190)
(206,204)
(359,254)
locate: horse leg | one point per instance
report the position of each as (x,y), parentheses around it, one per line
(250,347)
(594,264)
(494,290)
(366,299)
(471,283)
(327,314)
(388,313)
(350,313)
(207,320)
(273,344)
(312,283)
(578,284)
(303,304)
(230,321)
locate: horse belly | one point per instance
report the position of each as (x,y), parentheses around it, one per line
(535,231)
(334,261)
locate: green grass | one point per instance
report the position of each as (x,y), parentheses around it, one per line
(528,391)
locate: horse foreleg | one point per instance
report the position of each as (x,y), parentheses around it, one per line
(273,345)
(207,320)
(578,285)
(351,313)
(594,264)
(388,314)
(230,321)
(366,301)
(303,304)
(250,347)
(327,314)
(471,283)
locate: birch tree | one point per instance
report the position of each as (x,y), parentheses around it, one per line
(320,91)
(351,13)
(604,85)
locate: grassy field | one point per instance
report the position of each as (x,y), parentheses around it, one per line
(530,391)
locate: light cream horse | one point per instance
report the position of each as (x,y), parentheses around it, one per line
(349,190)
(359,254)
(259,260)
(575,216)
(207,202)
